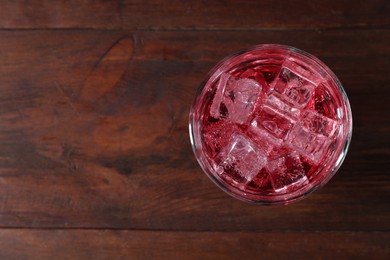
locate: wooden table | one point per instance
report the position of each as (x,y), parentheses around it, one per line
(95,158)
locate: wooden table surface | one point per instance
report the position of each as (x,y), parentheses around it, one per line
(95,158)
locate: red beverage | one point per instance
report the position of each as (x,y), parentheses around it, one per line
(271,124)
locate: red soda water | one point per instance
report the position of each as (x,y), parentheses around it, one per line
(271,124)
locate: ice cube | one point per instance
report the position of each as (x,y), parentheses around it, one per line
(262,138)
(286,171)
(303,71)
(241,159)
(324,103)
(319,124)
(217,135)
(258,76)
(282,106)
(310,144)
(293,88)
(273,122)
(235,98)
(219,95)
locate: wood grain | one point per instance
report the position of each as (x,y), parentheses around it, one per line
(105,244)
(95,158)
(93,132)
(190,15)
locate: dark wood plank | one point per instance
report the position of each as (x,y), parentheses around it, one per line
(230,14)
(105,244)
(93,132)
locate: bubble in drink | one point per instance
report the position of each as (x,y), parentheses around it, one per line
(270,125)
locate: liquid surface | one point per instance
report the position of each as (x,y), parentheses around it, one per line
(268,127)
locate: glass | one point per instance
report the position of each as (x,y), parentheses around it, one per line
(270,124)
